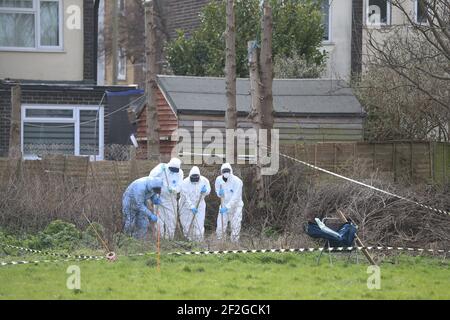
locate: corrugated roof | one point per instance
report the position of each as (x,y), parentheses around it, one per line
(297,96)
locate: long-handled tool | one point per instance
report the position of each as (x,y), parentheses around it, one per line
(359,242)
(155,209)
(221,216)
(194,216)
(110,256)
(158,241)
(177,223)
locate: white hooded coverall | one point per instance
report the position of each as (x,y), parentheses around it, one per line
(232,200)
(190,196)
(167,219)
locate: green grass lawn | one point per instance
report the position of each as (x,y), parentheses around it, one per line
(250,276)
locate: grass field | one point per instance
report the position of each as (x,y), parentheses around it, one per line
(251,276)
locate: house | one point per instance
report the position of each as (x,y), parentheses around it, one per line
(49,48)
(338,38)
(312,110)
(381,20)
(174,15)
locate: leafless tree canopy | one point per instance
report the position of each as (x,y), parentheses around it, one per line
(132,31)
(408,72)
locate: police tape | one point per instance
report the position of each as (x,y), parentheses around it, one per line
(53,254)
(439,211)
(307,250)
(243,251)
(34,262)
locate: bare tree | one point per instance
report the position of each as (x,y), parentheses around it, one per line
(266,66)
(417,54)
(151,86)
(230,72)
(256,112)
(131,35)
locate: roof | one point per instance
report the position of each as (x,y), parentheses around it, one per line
(290,96)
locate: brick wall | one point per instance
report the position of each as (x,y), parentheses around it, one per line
(5,115)
(90,38)
(49,94)
(182,14)
(356,46)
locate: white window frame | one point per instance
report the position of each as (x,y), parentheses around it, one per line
(330,10)
(122,59)
(35,10)
(388,15)
(416,14)
(75,120)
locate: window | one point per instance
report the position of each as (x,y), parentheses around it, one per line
(121,6)
(30,24)
(68,130)
(121,64)
(378,12)
(326,20)
(420,8)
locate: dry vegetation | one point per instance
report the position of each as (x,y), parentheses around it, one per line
(29,203)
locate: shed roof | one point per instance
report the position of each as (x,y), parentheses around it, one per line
(291,96)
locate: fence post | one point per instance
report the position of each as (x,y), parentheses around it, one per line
(444,164)
(411,169)
(395,161)
(15,150)
(430,155)
(335,157)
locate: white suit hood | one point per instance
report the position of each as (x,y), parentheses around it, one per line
(226,166)
(194,171)
(174,163)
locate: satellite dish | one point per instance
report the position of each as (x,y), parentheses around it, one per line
(134,141)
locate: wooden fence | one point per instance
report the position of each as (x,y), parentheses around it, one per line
(417,162)
(420,162)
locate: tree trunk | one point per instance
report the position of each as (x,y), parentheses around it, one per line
(14,132)
(115,41)
(151,86)
(230,72)
(256,114)
(266,66)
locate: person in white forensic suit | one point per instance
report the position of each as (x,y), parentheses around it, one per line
(194,189)
(172,176)
(228,188)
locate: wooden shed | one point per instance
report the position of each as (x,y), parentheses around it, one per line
(307,110)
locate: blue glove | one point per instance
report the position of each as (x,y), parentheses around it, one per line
(223,210)
(221,193)
(153,218)
(156,200)
(203,189)
(194,210)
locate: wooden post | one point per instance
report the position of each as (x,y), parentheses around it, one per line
(255,114)
(430,156)
(230,72)
(14,131)
(151,86)
(266,67)
(115,41)
(411,169)
(359,242)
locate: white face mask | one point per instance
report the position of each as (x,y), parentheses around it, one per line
(226,175)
